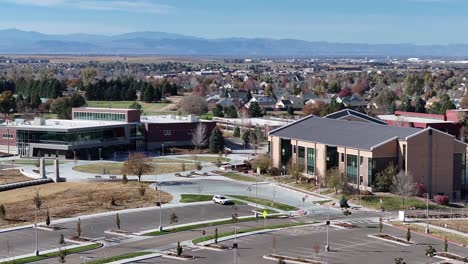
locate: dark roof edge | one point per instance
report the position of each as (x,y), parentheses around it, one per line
(290,124)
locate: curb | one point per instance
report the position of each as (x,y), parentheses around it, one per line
(110,213)
(144,257)
(429,235)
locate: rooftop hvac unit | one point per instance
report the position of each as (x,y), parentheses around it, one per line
(38,121)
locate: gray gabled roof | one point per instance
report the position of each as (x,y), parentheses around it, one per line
(358,135)
(349,112)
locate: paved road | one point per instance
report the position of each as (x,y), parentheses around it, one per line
(23,241)
(160,243)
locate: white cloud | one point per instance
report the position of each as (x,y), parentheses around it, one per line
(135,6)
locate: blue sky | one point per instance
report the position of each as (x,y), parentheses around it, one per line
(363,21)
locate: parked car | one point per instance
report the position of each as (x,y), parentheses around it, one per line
(220,199)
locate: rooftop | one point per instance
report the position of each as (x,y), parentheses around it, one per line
(349,112)
(358,135)
(255,121)
(169,119)
(411,119)
(57,124)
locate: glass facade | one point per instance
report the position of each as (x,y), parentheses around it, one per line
(99,116)
(332,157)
(286,150)
(370,171)
(96,135)
(301,155)
(310,161)
(351,168)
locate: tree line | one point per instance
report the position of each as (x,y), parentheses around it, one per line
(127,89)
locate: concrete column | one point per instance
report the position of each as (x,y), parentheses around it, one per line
(42,171)
(57,173)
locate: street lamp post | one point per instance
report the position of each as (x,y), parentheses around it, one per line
(327,247)
(427,213)
(159,195)
(36,252)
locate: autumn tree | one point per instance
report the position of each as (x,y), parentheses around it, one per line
(464,102)
(88,75)
(335,179)
(295,169)
(315,108)
(263,162)
(384,179)
(137,164)
(7,102)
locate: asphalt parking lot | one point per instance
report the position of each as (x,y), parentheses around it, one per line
(23,241)
(347,246)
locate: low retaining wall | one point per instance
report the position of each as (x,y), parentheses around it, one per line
(16,185)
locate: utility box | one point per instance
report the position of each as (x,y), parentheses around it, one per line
(401,216)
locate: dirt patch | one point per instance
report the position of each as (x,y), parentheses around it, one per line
(10,176)
(73,199)
(457,225)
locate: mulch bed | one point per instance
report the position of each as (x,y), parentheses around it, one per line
(346,225)
(180,256)
(396,239)
(79,239)
(302,260)
(452,256)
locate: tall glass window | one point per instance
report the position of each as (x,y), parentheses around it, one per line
(403,166)
(310,161)
(351,168)
(301,155)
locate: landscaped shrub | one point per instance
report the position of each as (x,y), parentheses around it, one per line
(419,189)
(344,203)
(441,199)
(274,171)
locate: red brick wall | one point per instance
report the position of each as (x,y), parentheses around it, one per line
(4,141)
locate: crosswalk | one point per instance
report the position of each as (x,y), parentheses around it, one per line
(112,241)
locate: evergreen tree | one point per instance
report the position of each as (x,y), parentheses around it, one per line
(420,106)
(255,110)
(230,112)
(218,111)
(290,110)
(236,132)
(148,94)
(216,140)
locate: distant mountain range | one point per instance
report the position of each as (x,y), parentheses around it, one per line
(13,41)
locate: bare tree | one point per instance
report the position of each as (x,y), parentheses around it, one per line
(403,185)
(200,136)
(193,104)
(137,164)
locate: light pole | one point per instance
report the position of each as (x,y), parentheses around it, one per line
(159,195)
(36,252)
(427,213)
(235,245)
(327,247)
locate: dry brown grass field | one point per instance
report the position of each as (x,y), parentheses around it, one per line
(74,199)
(10,176)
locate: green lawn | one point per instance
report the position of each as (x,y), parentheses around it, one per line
(214,223)
(394,203)
(205,158)
(148,108)
(207,116)
(120,257)
(116,168)
(239,177)
(55,254)
(266,202)
(206,238)
(191,198)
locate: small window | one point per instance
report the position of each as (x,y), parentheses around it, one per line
(361,160)
(361,179)
(167,132)
(342,157)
